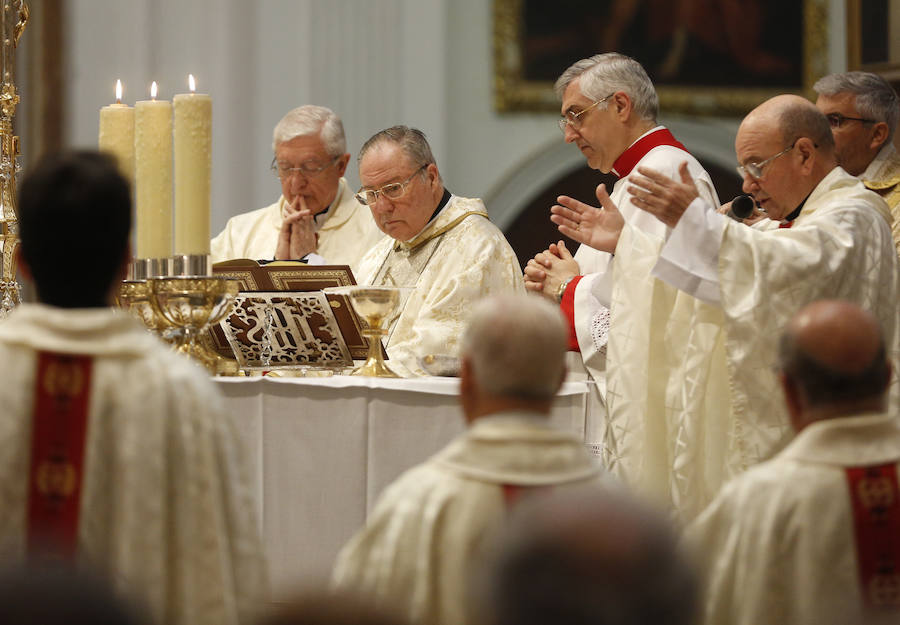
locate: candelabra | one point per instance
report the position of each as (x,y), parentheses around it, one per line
(13,17)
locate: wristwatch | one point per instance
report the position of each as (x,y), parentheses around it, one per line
(562,290)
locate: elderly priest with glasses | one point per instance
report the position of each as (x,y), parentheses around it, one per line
(863,110)
(442,244)
(316,218)
(716,409)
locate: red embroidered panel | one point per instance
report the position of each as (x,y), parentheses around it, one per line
(59,427)
(876,519)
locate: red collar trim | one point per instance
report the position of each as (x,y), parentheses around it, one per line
(630,157)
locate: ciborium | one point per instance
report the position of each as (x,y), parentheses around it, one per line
(193,304)
(377,306)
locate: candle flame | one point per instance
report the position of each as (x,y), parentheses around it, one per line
(153,90)
(118,92)
(191,83)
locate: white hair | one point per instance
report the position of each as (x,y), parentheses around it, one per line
(312,120)
(517,346)
(875,98)
(604,74)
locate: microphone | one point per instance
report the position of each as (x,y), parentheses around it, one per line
(741,207)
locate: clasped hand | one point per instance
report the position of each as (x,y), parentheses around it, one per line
(297,237)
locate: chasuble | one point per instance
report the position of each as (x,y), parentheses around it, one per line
(699,402)
(809,536)
(165,508)
(883,176)
(610,340)
(423,542)
(457,259)
(346,232)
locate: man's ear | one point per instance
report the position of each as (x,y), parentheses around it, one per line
(793,399)
(622,105)
(807,150)
(879,135)
(341,164)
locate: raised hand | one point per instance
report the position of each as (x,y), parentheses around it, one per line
(662,197)
(597,227)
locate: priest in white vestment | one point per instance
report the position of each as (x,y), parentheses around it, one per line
(317,218)
(115,453)
(696,406)
(442,244)
(863,110)
(428,532)
(609,110)
(811,536)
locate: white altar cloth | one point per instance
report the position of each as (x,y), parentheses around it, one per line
(324,448)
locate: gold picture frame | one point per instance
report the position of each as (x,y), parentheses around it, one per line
(883,62)
(513,92)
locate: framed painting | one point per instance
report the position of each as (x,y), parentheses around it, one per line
(879,50)
(713,57)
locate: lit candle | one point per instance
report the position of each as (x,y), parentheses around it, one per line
(193,170)
(117,133)
(153,176)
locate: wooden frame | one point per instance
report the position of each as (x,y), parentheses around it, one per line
(882,61)
(513,91)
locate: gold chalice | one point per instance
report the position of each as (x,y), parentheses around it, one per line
(192,304)
(136,297)
(377,306)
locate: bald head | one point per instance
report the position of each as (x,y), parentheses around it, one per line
(589,557)
(790,143)
(834,352)
(793,117)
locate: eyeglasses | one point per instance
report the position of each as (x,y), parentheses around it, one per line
(309,169)
(837,120)
(755,170)
(392,191)
(574,119)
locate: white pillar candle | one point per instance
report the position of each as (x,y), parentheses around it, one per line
(153,176)
(193,171)
(117,133)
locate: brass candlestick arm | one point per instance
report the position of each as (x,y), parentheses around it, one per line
(13,17)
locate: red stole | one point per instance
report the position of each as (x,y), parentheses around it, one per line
(621,168)
(59,427)
(638,150)
(875,498)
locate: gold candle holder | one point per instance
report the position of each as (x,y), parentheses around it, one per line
(13,18)
(136,296)
(193,304)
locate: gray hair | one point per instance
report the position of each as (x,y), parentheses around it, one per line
(804,120)
(517,346)
(311,120)
(875,98)
(587,556)
(603,74)
(412,142)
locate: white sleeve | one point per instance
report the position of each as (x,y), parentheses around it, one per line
(600,284)
(689,260)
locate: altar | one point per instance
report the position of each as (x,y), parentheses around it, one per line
(324,448)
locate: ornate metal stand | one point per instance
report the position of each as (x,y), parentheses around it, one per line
(13,17)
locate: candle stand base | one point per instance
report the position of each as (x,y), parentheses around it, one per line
(147,268)
(191,265)
(192,304)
